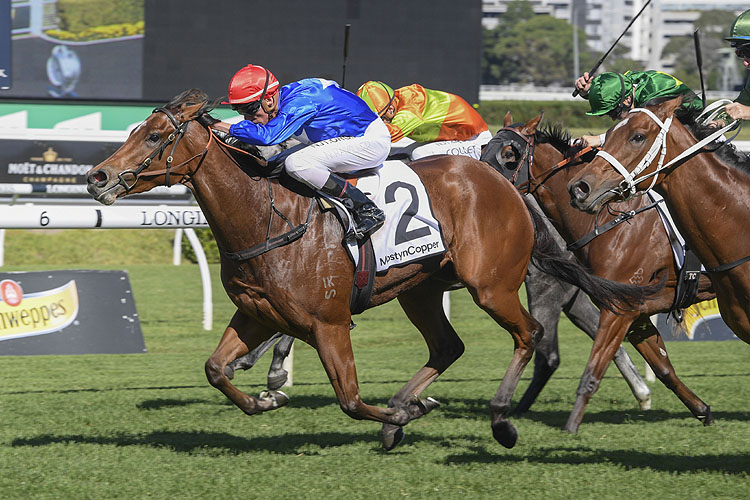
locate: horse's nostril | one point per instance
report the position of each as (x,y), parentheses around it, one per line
(99,178)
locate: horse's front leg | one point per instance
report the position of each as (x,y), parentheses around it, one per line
(242,335)
(334,348)
(612,330)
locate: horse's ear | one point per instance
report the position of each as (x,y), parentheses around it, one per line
(189,111)
(530,127)
(667,108)
(508,120)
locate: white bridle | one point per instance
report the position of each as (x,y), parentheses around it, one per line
(630,181)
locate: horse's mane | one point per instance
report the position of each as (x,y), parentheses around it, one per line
(726,153)
(191,97)
(557,136)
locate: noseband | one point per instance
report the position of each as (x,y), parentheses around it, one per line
(627,188)
(174,138)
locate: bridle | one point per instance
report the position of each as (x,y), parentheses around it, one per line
(627,188)
(174,139)
(528,145)
(528,157)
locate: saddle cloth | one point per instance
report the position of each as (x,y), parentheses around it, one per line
(410,232)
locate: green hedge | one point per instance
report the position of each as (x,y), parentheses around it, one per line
(571,114)
(79,15)
(211,249)
(98,32)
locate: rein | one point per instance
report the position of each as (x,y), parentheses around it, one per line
(627,188)
(628,185)
(174,138)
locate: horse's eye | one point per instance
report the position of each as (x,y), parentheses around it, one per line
(508,155)
(153,137)
(638,138)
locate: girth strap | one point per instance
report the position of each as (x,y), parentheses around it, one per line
(727,267)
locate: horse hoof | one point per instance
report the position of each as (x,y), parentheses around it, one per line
(645,405)
(505,433)
(708,419)
(390,436)
(277,380)
(229,372)
(277,399)
(427,405)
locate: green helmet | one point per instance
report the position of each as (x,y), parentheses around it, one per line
(739,33)
(607,92)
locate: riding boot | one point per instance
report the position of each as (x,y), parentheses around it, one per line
(367,216)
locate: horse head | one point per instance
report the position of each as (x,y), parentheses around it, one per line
(162,150)
(511,150)
(625,165)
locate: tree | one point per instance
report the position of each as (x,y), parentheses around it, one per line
(529,48)
(713,25)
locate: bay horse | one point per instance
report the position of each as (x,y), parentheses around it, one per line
(302,288)
(638,252)
(708,194)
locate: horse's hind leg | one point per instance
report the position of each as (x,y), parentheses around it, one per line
(646,339)
(585,316)
(248,360)
(423,307)
(277,375)
(240,336)
(505,308)
(546,296)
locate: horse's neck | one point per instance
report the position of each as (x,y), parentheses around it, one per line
(237,206)
(709,202)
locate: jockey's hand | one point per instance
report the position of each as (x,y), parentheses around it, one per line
(589,140)
(207,120)
(738,111)
(583,83)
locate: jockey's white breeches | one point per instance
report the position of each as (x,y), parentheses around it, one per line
(313,164)
(416,150)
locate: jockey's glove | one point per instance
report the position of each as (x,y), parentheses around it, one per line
(206,120)
(230,140)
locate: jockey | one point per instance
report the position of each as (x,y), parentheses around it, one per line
(614,94)
(345,135)
(425,122)
(739,38)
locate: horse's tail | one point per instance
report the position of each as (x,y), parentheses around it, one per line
(550,258)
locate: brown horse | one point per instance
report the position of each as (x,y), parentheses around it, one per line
(638,252)
(303,288)
(708,195)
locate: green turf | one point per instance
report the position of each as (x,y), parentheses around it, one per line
(149,425)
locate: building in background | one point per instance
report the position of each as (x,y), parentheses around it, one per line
(604,20)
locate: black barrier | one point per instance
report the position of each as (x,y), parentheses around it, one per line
(68,312)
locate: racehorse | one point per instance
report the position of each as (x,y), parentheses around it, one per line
(637,252)
(303,288)
(708,195)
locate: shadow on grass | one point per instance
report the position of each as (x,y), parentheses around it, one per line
(188,442)
(294,444)
(629,459)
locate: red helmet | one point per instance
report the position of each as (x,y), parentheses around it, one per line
(251,83)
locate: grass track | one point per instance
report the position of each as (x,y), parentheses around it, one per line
(150,426)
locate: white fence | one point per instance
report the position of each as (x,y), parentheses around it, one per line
(181,218)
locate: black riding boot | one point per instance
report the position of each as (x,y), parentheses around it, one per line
(367,216)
